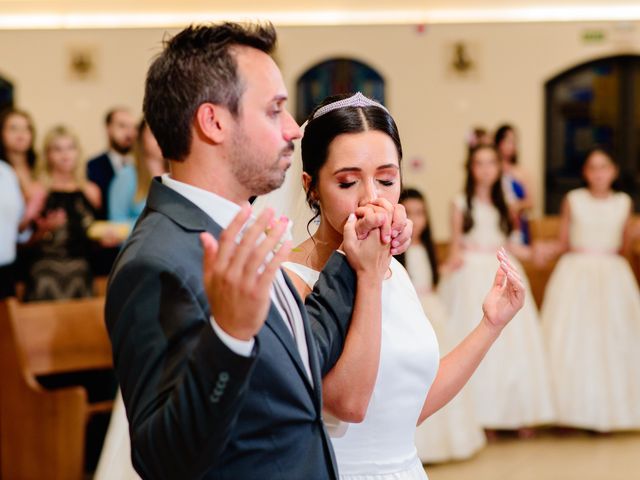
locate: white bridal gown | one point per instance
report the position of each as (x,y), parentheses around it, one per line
(453,432)
(382,446)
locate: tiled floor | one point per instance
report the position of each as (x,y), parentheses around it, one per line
(550,457)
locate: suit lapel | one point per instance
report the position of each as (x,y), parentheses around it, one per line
(276,324)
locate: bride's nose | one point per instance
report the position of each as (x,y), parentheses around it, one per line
(369,193)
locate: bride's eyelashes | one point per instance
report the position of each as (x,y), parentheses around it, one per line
(385,183)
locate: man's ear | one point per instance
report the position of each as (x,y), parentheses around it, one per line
(213,122)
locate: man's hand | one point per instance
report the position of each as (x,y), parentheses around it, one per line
(238,277)
(398,233)
(369,257)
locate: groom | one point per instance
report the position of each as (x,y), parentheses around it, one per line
(220,366)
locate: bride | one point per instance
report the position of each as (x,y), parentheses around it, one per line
(351,154)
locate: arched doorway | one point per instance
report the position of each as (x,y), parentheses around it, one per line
(333,76)
(592,103)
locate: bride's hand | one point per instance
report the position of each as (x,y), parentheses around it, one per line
(506,296)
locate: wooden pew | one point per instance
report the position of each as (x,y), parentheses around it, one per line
(542,229)
(42,432)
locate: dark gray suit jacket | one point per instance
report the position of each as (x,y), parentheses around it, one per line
(100,171)
(195,408)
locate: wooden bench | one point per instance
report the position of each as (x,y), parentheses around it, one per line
(42,432)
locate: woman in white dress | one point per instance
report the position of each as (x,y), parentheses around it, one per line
(511,388)
(591,309)
(351,160)
(452,433)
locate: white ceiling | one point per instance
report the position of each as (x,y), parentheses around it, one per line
(128,13)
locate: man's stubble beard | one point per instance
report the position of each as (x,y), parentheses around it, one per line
(121,149)
(250,169)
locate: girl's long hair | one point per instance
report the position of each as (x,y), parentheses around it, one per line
(426,237)
(497,195)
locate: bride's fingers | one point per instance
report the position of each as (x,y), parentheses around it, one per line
(500,278)
(516,285)
(401,245)
(506,263)
(510,269)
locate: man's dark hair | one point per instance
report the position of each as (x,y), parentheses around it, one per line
(108,118)
(197,66)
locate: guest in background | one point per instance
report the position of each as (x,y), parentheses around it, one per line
(11,211)
(591,309)
(17,137)
(515,181)
(129,188)
(121,132)
(512,388)
(59,266)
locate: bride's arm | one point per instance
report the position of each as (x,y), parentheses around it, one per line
(347,388)
(504,300)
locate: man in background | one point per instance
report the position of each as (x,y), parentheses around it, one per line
(121,132)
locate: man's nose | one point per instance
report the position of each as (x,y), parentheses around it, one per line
(292,130)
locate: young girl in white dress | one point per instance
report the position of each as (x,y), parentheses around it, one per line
(452,433)
(591,309)
(511,388)
(351,160)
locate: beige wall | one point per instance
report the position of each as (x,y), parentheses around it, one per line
(434,108)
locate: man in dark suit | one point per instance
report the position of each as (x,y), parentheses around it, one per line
(218,359)
(121,132)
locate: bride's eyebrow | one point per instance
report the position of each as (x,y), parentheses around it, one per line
(347,169)
(356,169)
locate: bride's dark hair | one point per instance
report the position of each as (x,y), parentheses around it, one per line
(321,131)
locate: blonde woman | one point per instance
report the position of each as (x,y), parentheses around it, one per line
(59,266)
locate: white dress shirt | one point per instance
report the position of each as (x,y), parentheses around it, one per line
(223,211)
(118,160)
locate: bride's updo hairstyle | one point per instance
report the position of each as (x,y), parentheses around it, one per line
(326,123)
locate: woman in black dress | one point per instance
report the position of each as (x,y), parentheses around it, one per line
(59,266)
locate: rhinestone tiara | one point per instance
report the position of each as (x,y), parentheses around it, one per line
(357,100)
